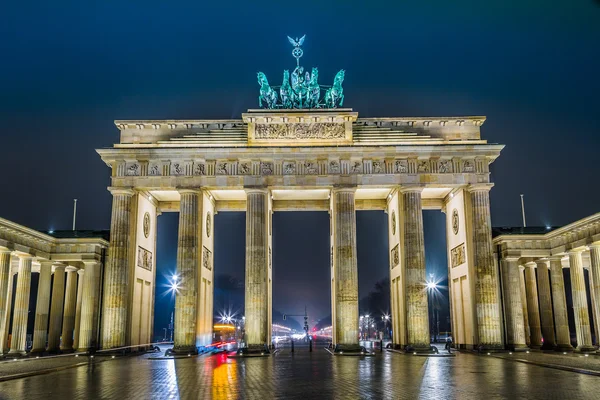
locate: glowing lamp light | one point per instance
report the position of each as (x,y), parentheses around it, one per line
(175,277)
(431,285)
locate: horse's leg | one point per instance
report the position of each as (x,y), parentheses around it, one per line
(341,100)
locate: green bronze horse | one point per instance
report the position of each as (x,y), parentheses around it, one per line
(286,93)
(267,94)
(334,97)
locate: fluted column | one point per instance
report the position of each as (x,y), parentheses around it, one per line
(190,215)
(78,309)
(533,309)
(595,285)
(524,304)
(487,298)
(88,300)
(257,259)
(40,330)
(417,317)
(5,285)
(56,308)
(116,278)
(345,267)
(515,323)
(68,322)
(19,329)
(580,305)
(545,301)
(559,302)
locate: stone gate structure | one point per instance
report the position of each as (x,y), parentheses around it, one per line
(287,160)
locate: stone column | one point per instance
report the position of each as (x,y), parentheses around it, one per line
(19,328)
(580,305)
(515,323)
(40,330)
(417,317)
(487,298)
(346,269)
(56,308)
(116,278)
(595,285)
(188,256)
(78,309)
(257,269)
(545,299)
(5,282)
(532,306)
(524,304)
(88,301)
(563,338)
(68,322)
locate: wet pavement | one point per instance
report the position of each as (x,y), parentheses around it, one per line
(304,375)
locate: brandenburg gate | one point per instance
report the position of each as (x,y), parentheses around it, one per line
(277,160)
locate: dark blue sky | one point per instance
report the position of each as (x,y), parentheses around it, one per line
(69,69)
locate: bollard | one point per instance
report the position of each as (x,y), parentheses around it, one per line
(381,345)
(292,345)
(309,345)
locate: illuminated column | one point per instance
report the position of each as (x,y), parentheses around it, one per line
(56,308)
(19,329)
(417,318)
(561,321)
(595,285)
(88,302)
(40,330)
(257,268)
(524,304)
(532,306)
(487,298)
(515,323)
(68,322)
(78,309)
(5,288)
(346,268)
(116,278)
(188,256)
(580,305)
(545,301)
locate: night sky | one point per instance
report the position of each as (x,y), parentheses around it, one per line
(68,70)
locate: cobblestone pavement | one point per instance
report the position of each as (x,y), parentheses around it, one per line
(303,375)
(573,360)
(14,366)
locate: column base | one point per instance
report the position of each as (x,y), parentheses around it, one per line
(564,347)
(349,349)
(517,347)
(253,350)
(193,350)
(490,348)
(419,349)
(585,349)
(37,352)
(17,353)
(548,346)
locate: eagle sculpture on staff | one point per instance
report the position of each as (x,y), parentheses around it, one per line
(300,89)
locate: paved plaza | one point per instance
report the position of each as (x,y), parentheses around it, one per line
(304,375)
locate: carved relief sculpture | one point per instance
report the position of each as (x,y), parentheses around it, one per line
(444,167)
(222,168)
(133,170)
(401,166)
(325,130)
(423,166)
(377,167)
(206,258)
(457,255)
(208,224)
(244,168)
(395,256)
(266,168)
(334,167)
(393,222)
(146,224)
(455,222)
(289,168)
(144,259)
(310,168)
(357,167)
(154,171)
(200,169)
(468,166)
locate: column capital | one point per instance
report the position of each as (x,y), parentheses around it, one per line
(577,250)
(542,261)
(80,272)
(70,268)
(595,245)
(121,190)
(59,267)
(189,190)
(411,188)
(24,257)
(479,187)
(531,264)
(256,189)
(4,250)
(343,188)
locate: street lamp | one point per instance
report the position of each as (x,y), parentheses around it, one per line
(431,288)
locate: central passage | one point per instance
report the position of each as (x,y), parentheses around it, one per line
(301,268)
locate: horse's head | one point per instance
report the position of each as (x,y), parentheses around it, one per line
(315,75)
(339,77)
(262,79)
(286,77)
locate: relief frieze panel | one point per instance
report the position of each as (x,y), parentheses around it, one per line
(288,131)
